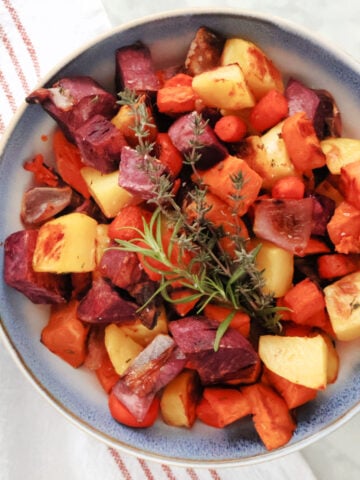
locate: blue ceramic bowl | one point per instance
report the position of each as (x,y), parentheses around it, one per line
(76,393)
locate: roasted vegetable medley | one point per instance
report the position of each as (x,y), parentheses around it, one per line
(196,236)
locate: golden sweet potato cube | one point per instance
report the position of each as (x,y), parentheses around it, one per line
(106,191)
(121,348)
(267,155)
(102,241)
(124,120)
(224,87)
(340,151)
(277,265)
(301,360)
(66,245)
(279,164)
(143,335)
(342,300)
(179,399)
(333,359)
(253,152)
(260,73)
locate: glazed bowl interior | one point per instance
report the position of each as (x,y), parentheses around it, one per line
(75,392)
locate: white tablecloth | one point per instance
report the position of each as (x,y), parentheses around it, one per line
(36,441)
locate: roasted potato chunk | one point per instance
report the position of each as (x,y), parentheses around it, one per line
(204,52)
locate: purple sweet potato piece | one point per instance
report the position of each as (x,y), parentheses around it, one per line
(103,304)
(327,122)
(141,292)
(73,101)
(151,370)
(89,207)
(120,267)
(182,135)
(39,287)
(211,115)
(319,106)
(42,203)
(81,283)
(323,210)
(136,173)
(100,144)
(301,98)
(195,337)
(135,69)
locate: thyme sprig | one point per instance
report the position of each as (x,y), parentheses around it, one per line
(142,125)
(236,285)
(193,156)
(193,257)
(142,121)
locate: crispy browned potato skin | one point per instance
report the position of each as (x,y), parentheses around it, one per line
(204,52)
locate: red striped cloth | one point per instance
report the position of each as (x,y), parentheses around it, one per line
(15,80)
(38,443)
(34,36)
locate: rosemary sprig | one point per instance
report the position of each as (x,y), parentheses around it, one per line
(210,275)
(239,289)
(224,325)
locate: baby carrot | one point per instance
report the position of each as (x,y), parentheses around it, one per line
(288,187)
(230,128)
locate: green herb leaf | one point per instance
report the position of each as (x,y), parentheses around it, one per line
(208,271)
(220,332)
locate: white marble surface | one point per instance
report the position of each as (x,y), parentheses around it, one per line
(337,21)
(337,455)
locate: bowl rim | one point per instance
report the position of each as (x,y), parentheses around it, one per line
(174,461)
(271,19)
(286,24)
